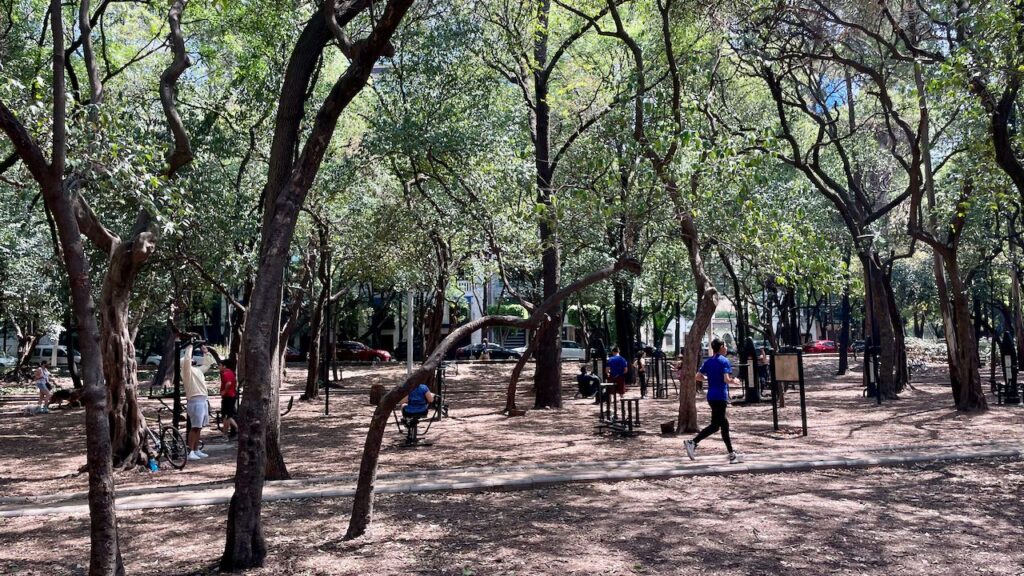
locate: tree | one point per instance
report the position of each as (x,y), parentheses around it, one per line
(292,168)
(530,46)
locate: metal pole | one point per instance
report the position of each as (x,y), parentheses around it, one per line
(408,334)
(176,411)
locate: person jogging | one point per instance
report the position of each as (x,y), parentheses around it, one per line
(717,372)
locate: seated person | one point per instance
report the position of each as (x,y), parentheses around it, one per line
(588,385)
(418,402)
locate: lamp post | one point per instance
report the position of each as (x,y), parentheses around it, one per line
(871,350)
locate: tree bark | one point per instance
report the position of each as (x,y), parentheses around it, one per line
(967,390)
(707,303)
(127,425)
(513,382)
(623,314)
(289,180)
(844,333)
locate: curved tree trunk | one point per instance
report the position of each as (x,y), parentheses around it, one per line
(513,383)
(362,505)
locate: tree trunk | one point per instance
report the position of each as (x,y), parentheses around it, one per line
(547,378)
(623,313)
(968,394)
(513,383)
(288,182)
(707,303)
(844,333)
(164,376)
(127,425)
(313,360)
(892,355)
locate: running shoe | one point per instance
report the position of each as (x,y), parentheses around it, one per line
(735,457)
(691,449)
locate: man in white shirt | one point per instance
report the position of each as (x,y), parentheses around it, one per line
(197,403)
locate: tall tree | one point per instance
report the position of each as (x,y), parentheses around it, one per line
(292,168)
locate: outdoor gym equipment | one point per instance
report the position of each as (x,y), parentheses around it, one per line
(409,425)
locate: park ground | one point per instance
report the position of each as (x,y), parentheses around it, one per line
(936,518)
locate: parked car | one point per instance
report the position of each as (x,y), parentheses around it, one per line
(45,352)
(859,346)
(417,350)
(820,347)
(7,361)
(350,351)
(152,361)
(496,352)
(293,355)
(570,350)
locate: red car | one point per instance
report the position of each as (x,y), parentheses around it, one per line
(821,347)
(350,351)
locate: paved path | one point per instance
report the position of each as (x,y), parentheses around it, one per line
(520,477)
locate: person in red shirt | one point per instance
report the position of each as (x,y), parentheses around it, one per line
(229,397)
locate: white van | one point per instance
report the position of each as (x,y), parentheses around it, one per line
(45,352)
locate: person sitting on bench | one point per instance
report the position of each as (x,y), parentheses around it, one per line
(588,385)
(418,402)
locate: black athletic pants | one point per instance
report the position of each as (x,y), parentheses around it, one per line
(718,421)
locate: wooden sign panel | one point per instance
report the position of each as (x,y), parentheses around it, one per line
(787,367)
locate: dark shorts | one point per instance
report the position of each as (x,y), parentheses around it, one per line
(620,384)
(228,406)
(414,414)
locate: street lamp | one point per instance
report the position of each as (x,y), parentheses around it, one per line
(871,349)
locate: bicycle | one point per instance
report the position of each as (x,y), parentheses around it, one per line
(169,445)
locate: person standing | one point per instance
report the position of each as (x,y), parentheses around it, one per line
(41,378)
(641,372)
(229,397)
(618,367)
(197,401)
(717,371)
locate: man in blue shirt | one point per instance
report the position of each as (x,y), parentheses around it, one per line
(420,400)
(717,372)
(617,369)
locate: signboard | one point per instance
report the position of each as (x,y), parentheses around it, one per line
(787,367)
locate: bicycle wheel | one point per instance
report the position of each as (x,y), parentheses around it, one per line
(173,447)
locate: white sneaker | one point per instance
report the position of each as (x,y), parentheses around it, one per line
(193,456)
(691,449)
(202,454)
(735,457)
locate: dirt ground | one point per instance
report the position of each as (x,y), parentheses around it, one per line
(961,518)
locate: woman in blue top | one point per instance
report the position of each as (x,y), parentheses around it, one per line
(717,372)
(419,401)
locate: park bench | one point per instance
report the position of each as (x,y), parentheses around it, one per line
(617,414)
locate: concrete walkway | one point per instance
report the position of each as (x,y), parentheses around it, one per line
(520,477)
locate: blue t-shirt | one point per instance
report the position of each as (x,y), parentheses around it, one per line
(418,399)
(617,365)
(714,371)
